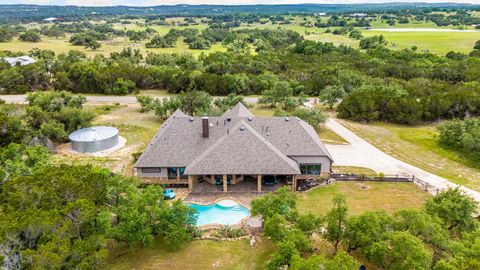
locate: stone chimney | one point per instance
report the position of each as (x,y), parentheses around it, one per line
(205,126)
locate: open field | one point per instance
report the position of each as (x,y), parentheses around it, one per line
(199,254)
(434,42)
(416,145)
(335,39)
(363,196)
(116,45)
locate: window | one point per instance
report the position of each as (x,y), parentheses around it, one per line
(310,169)
(151,170)
(172,172)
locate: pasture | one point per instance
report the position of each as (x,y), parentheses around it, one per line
(431,41)
(434,42)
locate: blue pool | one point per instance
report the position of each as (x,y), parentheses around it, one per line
(225,212)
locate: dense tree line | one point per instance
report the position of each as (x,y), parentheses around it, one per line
(69,213)
(49,116)
(406,86)
(463,137)
(442,235)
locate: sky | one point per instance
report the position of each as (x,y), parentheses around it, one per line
(211,2)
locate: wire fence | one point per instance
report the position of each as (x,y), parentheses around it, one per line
(386,178)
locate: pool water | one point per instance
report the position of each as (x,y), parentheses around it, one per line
(225,212)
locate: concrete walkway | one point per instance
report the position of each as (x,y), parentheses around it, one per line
(362,154)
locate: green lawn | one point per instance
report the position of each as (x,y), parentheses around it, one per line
(328,136)
(198,255)
(435,42)
(361,197)
(416,145)
(354,170)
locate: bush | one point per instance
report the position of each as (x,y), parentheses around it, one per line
(462,136)
(146,103)
(228,232)
(30,36)
(122,87)
(53,130)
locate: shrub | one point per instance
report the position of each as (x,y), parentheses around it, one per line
(228,232)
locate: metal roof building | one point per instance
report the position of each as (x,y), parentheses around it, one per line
(94,139)
(21,60)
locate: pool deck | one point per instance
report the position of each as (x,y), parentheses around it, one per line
(244,199)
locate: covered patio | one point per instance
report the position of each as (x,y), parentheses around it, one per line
(239,183)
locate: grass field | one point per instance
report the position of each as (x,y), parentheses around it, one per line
(335,39)
(198,255)
(435,42)
(361,197)
(329,137)
(116,45)
(416,145)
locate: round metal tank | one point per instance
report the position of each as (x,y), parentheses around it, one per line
(94,139)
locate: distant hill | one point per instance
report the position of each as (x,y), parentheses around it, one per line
(39,12)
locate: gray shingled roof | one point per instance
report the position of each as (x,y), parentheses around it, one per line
(179,140)
(242,151)
(238,110)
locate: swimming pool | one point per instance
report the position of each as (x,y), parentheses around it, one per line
(225,212)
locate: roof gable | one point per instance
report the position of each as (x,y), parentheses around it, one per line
(242,151)
(238,110)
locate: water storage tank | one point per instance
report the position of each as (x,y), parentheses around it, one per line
(94,139)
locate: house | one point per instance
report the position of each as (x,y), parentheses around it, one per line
(21,60)
(234,150)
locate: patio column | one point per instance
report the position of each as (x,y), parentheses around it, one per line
(234,179)
(212,178)
(294,183)
(225,184)
(190,183)
(259,183)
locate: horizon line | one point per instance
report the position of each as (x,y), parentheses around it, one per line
(264,4)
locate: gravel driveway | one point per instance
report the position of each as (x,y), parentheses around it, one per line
(362,154)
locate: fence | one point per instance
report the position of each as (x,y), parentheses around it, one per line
(386,178)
